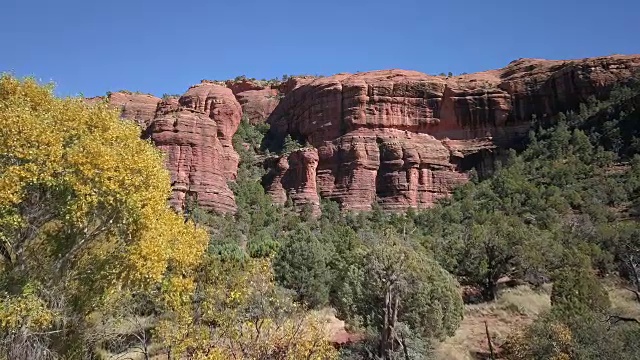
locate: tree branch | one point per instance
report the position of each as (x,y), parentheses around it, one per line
(635,292)
(614,319)
(88,235)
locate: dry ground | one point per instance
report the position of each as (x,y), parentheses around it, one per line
(514,309)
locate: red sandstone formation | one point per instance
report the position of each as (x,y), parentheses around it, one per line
(259,98)
(219,104)
(195,132)
(278,167)
(257,105)
(404,139)
(398,138)
(195,157)
(138,107)
(239,86)
(293,177)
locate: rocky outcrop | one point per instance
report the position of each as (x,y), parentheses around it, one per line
(293,177)
(277,167)
(195,157)
(220,105)
(259,98)
(404,139)
(257,105)
(195,132)
(394,137)
(140,108)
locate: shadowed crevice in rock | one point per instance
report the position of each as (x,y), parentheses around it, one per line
(293,177)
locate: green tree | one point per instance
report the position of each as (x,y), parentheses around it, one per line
(576,289)
(303,265)
(289,145)
(623,241)
(495,246)
(399,292)
(577,335)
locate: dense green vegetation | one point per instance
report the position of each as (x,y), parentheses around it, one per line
(563,210)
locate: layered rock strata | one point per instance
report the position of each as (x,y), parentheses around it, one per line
(195,158)
(404,139)
(394,137)
(195,132)
(140,108)
(293,177)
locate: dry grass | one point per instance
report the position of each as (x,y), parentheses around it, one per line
(524,301)
(332,323)
(623,302)
(514,309)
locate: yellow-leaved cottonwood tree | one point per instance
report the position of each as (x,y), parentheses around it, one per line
(83,219)
(91,256)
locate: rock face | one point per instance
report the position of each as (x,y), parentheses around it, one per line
(257,98)
(293,177)
(138,107)
(397,138)
(219,104)
(257,105)
(404,139)
(195,157)
(195,132)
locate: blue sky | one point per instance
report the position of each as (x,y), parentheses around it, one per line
(91,47)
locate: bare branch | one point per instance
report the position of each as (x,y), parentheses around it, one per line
(615,319)
(635,292)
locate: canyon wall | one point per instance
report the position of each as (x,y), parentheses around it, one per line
(195,132)
(257,98)
(293,176)
(405,139)
(393,137)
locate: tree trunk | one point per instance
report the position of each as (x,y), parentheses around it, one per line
(384,336)
(634,269)
(405,348)
(387,337)
(491,351)
(490,291)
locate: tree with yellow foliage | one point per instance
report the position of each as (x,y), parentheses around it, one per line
(240,313)
(83,218)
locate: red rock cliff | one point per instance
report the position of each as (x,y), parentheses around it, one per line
(219,104)
(257,98)
(399,138)
(293,176)
(404,139)
(195,132)
(140,108)
(195,157)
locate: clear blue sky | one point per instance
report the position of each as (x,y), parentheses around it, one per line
(161,46)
